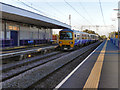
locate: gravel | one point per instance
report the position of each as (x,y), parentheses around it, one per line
(55,78)
(32,76)
(18,63)
(28,66)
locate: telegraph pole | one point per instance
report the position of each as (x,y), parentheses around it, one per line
(70,21)
(97,28)
(118,25)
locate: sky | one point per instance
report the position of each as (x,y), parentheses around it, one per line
(83,12)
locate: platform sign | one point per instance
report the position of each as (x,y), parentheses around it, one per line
(30,42)
(8,35)
(16,28)
(1,35)
(116,36)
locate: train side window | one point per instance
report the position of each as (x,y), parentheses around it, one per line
(78,36)
(75,35)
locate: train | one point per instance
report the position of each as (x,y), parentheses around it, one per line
(71,39)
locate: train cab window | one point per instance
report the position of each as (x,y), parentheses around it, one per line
(66,36)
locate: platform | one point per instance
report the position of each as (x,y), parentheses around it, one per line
(25,50)
(98,70)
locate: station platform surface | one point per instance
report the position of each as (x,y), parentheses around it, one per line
(24,50)
(16,48)
(98,70)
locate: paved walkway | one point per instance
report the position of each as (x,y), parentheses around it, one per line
(98,70)
(18,52)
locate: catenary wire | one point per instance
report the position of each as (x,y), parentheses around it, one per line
(77,12)
(102,12)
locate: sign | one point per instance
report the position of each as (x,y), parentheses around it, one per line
(8,35)
(1,35)
(16,28)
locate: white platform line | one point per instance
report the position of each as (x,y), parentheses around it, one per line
(17,52)
(66,78)
(25,51)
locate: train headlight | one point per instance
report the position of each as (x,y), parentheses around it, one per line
(71,42)
(29,56)
(60,42)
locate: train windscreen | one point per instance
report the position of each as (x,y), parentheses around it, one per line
(66,36)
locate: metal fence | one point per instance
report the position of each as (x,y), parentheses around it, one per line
(6,43)
(116,42)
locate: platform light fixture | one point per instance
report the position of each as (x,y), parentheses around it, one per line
(29,55)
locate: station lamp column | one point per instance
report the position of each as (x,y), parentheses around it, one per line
(118,31)
(70,21)
(118,23)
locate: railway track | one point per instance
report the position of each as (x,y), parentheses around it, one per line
(34,51)
(15,69)
(17,49)
(25,74)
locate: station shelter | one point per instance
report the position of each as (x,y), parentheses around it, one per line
(22,27)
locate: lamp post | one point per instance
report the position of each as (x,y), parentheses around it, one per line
(70,21)
(118,25)
(118,30)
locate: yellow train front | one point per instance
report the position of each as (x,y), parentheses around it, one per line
(71,39)
(66,39)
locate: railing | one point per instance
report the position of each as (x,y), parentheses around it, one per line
(10,43)
(33,42)
(6,43)
(115,41)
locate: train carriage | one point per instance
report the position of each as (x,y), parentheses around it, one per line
(69,39)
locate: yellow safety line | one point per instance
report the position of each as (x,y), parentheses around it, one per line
(18,48)
(94,77)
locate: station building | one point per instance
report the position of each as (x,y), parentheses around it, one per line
(22,27)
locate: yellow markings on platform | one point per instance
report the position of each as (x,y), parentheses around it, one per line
(8,51)
(94,77)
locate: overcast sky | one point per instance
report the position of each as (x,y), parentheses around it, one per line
(83,12)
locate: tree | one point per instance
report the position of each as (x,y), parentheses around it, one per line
(114,34)
(103,37)
(89,31)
